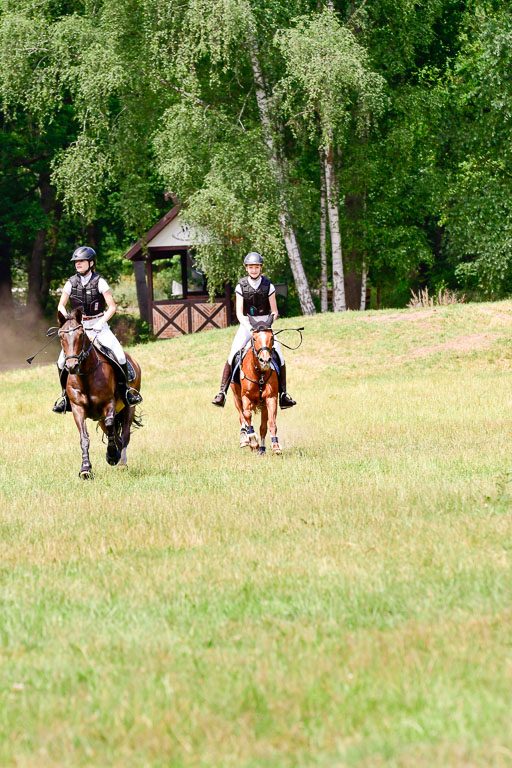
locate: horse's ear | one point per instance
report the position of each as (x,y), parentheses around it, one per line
(77,314)
(61,318)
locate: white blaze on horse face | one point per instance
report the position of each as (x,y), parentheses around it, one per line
(263,339)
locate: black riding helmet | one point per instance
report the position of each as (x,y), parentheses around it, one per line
(84,253)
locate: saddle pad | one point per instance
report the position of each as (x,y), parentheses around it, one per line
(131,371)
(110,356)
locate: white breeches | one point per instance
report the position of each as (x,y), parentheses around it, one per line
(105,337)
(243,335)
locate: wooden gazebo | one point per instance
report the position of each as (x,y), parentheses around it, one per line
(171,292)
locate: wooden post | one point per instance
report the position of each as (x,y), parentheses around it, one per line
(142,289)
(184,277)
(149,265)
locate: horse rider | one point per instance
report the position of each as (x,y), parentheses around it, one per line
(255,297)
(87,290)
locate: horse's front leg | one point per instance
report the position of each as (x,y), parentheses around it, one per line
(272,423)
(109,416)
(247,406)
(263,430)
(86,472)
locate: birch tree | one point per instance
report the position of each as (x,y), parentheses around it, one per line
(327,77)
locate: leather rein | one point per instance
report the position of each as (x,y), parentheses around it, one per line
(256,355)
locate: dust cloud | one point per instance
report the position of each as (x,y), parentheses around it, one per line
(22,336)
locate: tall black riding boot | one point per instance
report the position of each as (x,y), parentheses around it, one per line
(285,400)
(220,398)
(131,396)
(61,404)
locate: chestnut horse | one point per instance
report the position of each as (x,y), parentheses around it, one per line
(91,388)
(258,389)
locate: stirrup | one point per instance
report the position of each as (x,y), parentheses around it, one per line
(60,405)
(220,399)
(133,396)
(286,401)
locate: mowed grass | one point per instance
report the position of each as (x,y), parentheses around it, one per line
(346,604)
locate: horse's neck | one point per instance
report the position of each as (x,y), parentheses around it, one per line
(91,361)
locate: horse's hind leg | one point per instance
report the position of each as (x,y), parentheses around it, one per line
(128,415)
(109,415)
(237,399)
(86,472)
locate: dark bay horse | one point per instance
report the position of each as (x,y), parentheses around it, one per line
(91,388)
(258,390)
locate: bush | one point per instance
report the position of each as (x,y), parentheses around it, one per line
(130,329)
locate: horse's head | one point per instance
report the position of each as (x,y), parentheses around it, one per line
(72,339)
(262,343)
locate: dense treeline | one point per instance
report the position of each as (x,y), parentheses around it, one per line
(353,143)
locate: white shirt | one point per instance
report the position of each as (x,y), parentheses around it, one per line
(255,284)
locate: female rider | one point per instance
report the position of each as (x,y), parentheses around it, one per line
(255,296)
(90,292)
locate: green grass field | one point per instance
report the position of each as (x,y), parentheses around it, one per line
(346,604)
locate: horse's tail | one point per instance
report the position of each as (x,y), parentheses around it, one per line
(136,421)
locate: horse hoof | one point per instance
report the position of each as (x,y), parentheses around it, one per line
(244,442)
(122,465)
(253,441)
(113,459)
(86,474)
(276,448)
(261,450)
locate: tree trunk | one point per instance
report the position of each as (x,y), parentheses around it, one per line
(51,242)
(278,166)
(324,300)
(338,283)
(364,269)
(35,270)
(6,300)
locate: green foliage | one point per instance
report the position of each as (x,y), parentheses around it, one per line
(123,100)
(328,76)
(478,204)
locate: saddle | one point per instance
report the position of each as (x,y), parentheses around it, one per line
(106,352)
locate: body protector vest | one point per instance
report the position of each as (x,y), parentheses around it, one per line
(87,296)
(256,302)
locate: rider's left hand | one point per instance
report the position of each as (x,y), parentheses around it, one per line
(98,326)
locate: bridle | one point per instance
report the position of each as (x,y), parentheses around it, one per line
(257,352)
(262,380)
(84,352)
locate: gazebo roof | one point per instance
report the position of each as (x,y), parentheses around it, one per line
(167,234)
